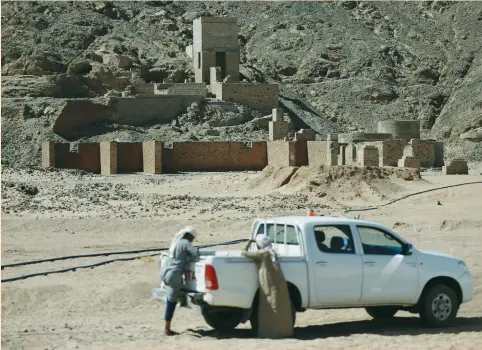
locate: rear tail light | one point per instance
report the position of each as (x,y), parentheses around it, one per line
(210,278)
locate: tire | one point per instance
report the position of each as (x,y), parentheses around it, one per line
(254,317)
(381,312)
(439,306)
(222,319)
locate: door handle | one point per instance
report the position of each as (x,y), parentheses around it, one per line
(410,264)
(370,263)
(322,263)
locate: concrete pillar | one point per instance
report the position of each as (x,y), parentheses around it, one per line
(48,154)
(332,148)
(152,157)
(350,154)
(215,73)
(108,158)
(277,115)
(342,155)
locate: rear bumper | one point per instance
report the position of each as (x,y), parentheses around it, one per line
(467,285)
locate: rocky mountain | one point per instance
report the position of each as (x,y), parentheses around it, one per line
(343,65)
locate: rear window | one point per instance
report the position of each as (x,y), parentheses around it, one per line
(277,233)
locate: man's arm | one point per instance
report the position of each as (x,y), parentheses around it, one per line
(256,255)
(193,251)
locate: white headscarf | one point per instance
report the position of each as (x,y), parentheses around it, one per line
(264,242)
(177,237)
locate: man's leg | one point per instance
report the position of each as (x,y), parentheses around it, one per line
(170,308)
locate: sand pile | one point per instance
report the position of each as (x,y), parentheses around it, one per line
(338,183)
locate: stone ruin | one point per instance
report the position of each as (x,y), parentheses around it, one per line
(216,56)
(357,149)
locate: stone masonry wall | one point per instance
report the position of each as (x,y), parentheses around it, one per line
(215,34)
(190,89)
(389,151)
(215,156)
(317,153)
(287,153)
(129,157)
(368,155)
(143,88)
(423,150)
(255,96)
(456,167)
(58,155)
(150,109)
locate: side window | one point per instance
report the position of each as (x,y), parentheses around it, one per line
(277,233)
(334,239)
(378,242)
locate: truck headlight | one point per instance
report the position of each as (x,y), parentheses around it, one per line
(463,265)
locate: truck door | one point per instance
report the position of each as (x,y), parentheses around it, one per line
(388,275)
(336,267)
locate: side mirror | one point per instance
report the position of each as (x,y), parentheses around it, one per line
(408,249)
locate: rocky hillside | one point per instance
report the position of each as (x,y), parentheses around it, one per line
(342,65)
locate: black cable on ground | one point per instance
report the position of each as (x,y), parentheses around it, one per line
(413,194)
(103,254)
(107,261)
(81,256)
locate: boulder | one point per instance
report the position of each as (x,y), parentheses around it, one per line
(79,67)
(119,61)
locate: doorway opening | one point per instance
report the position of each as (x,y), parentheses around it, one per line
(221,63)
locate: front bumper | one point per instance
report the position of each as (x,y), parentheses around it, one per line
(467,285)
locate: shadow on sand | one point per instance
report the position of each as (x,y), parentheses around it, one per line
(391,327)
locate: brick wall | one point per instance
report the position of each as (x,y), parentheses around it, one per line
(150,109)
(150,156)
(256,96)
(194,89)
(423,150)
(129,157)
(58,155)
(214,156)
(287,153)
(368,155)
(215,34)
(143,88)
(317,153)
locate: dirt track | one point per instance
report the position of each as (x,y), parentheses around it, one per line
(111,306)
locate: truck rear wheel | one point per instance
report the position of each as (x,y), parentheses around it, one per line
(222,319)
(381,312)
(439,306)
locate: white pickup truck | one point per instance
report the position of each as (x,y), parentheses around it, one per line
(332,262)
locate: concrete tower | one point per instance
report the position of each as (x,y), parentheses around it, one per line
(215,44)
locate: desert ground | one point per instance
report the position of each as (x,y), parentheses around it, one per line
(50,213)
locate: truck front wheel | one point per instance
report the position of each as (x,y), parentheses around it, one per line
(223,318)
(381,312)
(439,306)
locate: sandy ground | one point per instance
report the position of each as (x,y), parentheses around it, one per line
(48,214)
